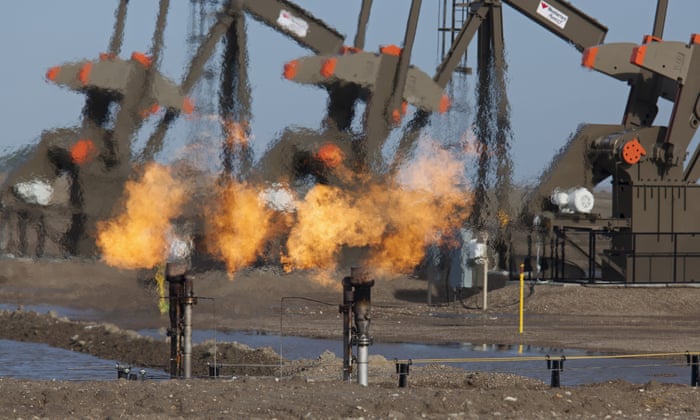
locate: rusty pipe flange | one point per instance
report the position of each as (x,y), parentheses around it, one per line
(360,276)
(176,270)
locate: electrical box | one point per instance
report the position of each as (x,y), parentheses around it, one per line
(468,261)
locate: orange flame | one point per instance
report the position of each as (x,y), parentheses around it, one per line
(236,133)
(394,220)
(328,219)
(138,237)
(391,222)
(239,225)
(429,202)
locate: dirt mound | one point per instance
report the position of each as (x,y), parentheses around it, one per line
(470,396)
(127,347)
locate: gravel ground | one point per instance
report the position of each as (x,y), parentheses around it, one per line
(637,320)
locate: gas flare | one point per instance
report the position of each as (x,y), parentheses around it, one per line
(429,201)
(390,223)
(395,220)
(239,225)
(327,219)
(236,133)
(138,237)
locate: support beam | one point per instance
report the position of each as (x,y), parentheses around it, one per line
(563,20)
(297,23)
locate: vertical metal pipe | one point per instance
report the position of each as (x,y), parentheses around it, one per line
(591,256)
(362,24)
(675,255)
(362,370)
(563,254)
(402,370)
(115,43)
(660,18)
(189,301)
(556,367)
(634,257)
(345,308)
(443,26)
(362,311)
(522,293)
(694,370)
(174,298)
(187,348)
(159,31)
(551,258)
(556,379)
(486,284)
(181,299)
(454,22)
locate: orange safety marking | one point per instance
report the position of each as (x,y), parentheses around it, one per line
(290,70)
(328,67)
(188,105)
(633,151)
(142,58)
(84,73)
(396,116)
(404,107)
(445,104)
(331,155)
(82,151)
(650,38)
(390,50)
(52,73)
(107,56)
(150,111)
(638,54)
(345,49)
(589,55)
(695,39)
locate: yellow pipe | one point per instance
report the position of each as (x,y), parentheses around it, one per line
(522,290)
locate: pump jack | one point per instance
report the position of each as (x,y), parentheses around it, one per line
(97,155)
(653,229)
(484,18)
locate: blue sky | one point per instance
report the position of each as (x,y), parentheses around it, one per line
(549,92)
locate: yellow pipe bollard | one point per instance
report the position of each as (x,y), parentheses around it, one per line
(522,290)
